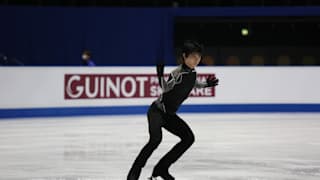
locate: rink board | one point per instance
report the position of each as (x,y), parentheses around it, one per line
(69,91)
(134,110)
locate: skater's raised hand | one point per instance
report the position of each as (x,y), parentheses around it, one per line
(160,69)
(212,81)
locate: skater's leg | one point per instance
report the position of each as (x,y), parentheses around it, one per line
(155,122)
(178,127)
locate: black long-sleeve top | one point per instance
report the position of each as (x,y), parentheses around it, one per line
(177,89)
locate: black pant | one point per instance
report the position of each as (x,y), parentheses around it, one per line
(174,124)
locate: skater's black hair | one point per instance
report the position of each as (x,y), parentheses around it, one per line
(188,47)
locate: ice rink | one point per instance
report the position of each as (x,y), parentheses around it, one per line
(227,147)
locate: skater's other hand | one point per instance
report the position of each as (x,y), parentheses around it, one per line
(212,81)
(160,69)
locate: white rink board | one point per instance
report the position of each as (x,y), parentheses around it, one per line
(43,87)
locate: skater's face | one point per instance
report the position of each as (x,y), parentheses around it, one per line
(192,60)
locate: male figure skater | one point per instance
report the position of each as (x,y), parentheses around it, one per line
(162,112)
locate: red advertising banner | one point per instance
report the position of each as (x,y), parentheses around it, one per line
(97,86)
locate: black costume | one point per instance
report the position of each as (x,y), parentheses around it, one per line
(162,113)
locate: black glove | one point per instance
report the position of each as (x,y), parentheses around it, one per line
(160,69)
(212,81)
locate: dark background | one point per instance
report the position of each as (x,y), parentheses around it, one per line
(123,32)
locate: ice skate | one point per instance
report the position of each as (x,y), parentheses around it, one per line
(163,173)
(163,176)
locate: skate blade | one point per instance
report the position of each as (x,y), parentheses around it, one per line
(152,178)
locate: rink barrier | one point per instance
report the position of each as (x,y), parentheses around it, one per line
(139,110)
(80,91)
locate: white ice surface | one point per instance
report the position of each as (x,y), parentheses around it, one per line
(227,147)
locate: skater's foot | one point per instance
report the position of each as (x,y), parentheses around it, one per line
(134,173)
(166,176)
(162,172)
